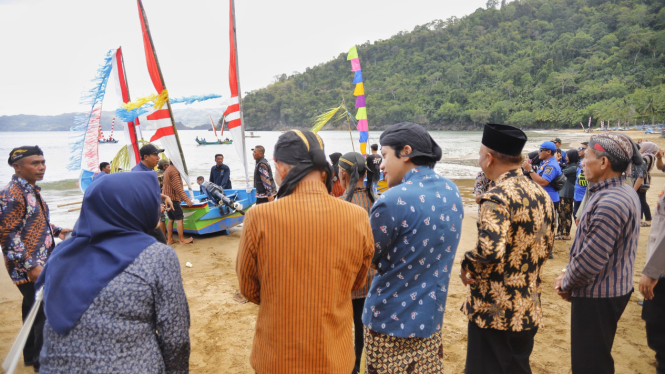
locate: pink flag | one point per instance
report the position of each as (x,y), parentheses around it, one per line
(362,125)
(355,64)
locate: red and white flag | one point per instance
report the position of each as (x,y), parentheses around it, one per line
(232,115)
(122,92)
(161,118)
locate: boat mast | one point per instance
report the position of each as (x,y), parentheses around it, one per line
(242,118)
(161,77)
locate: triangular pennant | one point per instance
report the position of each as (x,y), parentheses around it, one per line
(360,90)
(362,113)
(358,78)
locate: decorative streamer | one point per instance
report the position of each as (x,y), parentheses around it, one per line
(85,144)
(359,92)
(150,103)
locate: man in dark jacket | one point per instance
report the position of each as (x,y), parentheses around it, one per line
(263,181)
(220,174)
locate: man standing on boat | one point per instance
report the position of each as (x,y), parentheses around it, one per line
(26,236)
(299,259)
(172,187)
(374,167)
(263,181)
(220,174)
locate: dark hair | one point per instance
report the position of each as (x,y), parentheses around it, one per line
(506,159)
(417,160)
(260,148)
(103,165)
(375,147)
(219,154)
(200,177)
(617,165)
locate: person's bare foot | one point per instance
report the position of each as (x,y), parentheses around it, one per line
(170,242)
(187,241)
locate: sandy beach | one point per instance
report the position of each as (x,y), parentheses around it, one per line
(222,329)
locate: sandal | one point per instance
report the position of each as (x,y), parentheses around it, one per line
(644,224)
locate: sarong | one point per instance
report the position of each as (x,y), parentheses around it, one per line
(388,354)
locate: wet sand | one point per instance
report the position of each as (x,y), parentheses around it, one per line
(222,329)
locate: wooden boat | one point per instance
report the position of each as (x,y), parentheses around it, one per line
(251,135)
(203,142)
(107,141)
(206,218)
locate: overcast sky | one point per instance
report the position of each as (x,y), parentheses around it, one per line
(51,49)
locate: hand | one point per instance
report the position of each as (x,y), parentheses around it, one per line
(63,232)
(577,221)
(271,198)
(646,286)
(659,154)
(33,273)
(168,202)
(526,166)
(189,203)
(467,277)
(557,286)
(162,208)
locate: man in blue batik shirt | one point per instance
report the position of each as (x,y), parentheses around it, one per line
(416,226)
(548,171)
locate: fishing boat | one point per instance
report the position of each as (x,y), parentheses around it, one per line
(219,141)
(251,135)
(205,217)
(103,141)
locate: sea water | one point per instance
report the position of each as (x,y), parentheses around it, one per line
(459,162)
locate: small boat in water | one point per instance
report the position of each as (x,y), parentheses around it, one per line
(251,135)
(102,141)
(218,141)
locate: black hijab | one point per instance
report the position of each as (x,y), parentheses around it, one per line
(573,156)
(304,150)
(354,163)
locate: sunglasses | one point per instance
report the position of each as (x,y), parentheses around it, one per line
(581,148)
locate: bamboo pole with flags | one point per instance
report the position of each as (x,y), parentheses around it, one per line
(166,133)
(122,88)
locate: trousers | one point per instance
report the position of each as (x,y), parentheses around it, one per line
(358,305)
(491,351)
(653,312)
(593,325)
(33,345)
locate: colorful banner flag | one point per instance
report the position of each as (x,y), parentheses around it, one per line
(122,93)
(359,91)
(162,117)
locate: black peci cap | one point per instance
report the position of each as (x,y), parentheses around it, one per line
(504,139)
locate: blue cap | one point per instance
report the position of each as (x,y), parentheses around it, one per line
(548,145)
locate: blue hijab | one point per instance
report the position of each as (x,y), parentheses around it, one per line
(112,232)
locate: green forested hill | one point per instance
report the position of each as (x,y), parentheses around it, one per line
(530,63)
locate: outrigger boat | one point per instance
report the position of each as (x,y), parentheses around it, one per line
(219,141)
(204,217)
(251,135)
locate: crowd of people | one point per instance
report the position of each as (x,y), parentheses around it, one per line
(340,274)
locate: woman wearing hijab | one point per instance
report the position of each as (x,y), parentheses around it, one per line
(337,189)
(648,151)
(113,295)
(567,195)
(352,171)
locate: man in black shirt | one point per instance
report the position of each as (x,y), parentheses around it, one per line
(374,166)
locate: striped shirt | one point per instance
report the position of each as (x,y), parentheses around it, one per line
(602,256)
(172,186)
(361,198)
(300,258)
